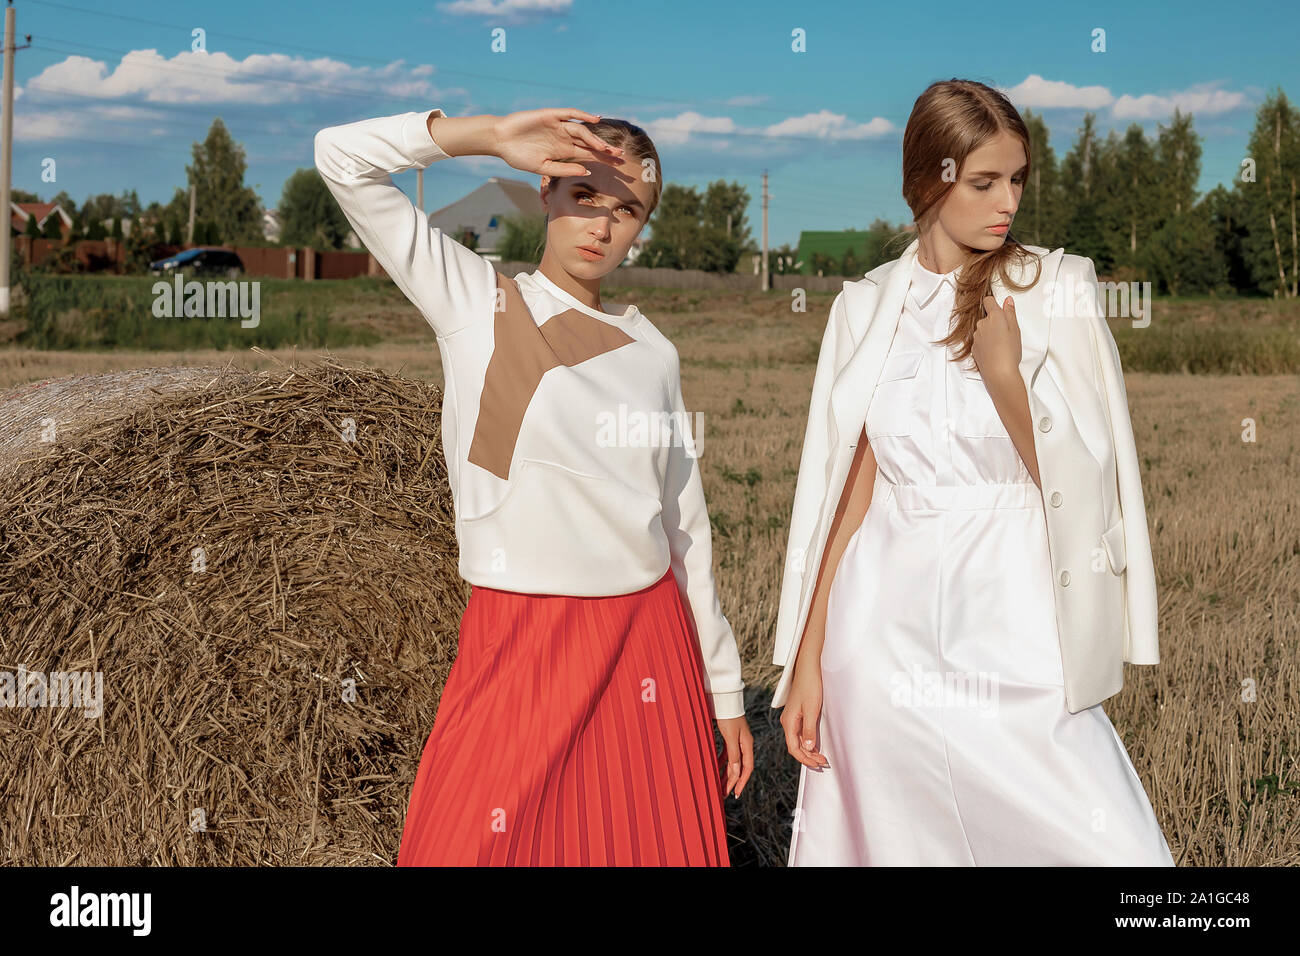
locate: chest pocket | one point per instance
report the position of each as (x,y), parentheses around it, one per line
(895,404)
(979,416)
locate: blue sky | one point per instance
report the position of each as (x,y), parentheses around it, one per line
(115,95)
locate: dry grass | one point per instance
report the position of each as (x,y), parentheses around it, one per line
(1221,772)
(263,570)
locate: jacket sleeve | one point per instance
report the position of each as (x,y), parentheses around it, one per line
(451,285)
(686,522)
(1140,600)
(809,485)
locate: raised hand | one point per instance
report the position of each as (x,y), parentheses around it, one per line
(539,141)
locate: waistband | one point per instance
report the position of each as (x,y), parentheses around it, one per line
(962,497)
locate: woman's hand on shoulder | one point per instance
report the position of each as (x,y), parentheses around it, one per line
(539,141)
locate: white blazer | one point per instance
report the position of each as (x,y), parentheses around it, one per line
(1102,572)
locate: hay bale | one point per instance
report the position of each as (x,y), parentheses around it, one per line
(42,411)
(230,559)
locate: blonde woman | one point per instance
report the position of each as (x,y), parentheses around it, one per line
(968,565)
(574,728)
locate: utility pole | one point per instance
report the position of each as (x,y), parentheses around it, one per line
(765,286)
(7,155)
(189,233)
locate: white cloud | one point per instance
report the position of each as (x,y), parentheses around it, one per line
(710,131)
(677,130)
(828,125)
(69,98)
(1201,100)
(190,77)
(509,11)
(1034,92)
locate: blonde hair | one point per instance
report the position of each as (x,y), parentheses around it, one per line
(949,121)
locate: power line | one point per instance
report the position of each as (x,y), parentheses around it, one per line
(801,193)
(261,43)
(205,73)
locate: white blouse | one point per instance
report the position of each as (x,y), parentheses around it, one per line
(937,416)
(568,448)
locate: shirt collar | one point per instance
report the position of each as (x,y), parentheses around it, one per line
(926,284)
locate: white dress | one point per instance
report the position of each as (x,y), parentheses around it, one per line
(943,708)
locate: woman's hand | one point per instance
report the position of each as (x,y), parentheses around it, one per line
(802,713)
(996,342)
(740,752)
(537,141)
(996,349)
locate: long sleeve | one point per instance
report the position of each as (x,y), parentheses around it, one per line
(686,522)
(1140,601)
(451,285)
(810,484)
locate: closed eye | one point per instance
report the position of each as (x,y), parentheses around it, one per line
(1014,179)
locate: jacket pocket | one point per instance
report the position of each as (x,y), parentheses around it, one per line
(894,404)
(1113,540)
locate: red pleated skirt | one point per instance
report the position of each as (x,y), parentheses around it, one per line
(572,731)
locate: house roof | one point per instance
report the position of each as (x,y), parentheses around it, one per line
(484,208)
(20,212)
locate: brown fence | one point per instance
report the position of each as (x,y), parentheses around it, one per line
(286,262)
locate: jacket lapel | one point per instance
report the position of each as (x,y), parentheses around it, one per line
(856,381)
(852,388)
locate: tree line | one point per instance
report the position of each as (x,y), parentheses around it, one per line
(1129,202)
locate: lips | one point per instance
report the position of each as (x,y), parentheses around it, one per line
(590,252)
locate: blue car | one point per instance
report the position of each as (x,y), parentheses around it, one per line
(203,260)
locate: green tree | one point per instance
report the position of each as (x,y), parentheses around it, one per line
(693,231)
(1039,219)
(1178,153)
(1227,222)
(140,245)
(107,206)
(674,223)
(1080,199)
(1133,209)
(220,196)
(309,214)
(1181,257)
(524,239)
(1268,204)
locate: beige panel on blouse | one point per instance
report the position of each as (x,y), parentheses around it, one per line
(523,352)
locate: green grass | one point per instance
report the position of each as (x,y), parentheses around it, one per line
(109,312)
(1189,334)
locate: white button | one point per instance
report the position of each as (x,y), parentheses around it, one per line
(1044,424)
(1065,579)
(1056,499)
